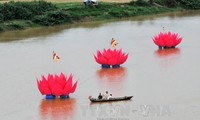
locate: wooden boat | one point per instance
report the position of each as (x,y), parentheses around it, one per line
(111,99)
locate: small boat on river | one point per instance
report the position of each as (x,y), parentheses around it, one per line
(110,99)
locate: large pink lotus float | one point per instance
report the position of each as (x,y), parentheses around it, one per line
(111,58)
(56,85)
(167,40)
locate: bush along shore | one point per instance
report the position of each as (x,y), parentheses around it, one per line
(22,15)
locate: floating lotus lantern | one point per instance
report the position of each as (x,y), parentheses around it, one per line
(167,40)
(56,85)
(110,58)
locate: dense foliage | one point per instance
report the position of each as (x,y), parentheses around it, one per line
(19,15)
(52,18)
(189,4)
(24,10)
(139,3)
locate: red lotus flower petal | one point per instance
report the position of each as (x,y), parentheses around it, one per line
(167,39)
(99,54)
(177,41)
(159,42)
(169,43)
(43,87)
(61,80)
(122,59)
(56,78)
(50,77)
(103,60)
(159,39)
(43,78)
(112,61)
(68,85)
(114,53)
(119,52)
(107,55)
(57,89)
(69,81)
(110,57)
(51,81)
(97,59)
(74,87)
(67,89)
(56,85)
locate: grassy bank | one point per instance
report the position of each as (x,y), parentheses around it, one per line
(22,15)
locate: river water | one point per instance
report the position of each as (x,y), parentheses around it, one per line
(165,84)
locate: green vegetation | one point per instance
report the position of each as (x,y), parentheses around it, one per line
(20,15)
(187,4)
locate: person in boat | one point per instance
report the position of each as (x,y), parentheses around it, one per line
(110,96)
(105,96)
(100,96)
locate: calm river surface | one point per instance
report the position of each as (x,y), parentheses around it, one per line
(165,85)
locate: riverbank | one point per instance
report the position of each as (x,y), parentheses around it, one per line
(22,15)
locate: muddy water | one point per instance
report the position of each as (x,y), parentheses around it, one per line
(165,84)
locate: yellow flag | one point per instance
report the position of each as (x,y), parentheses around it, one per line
(56,58)
(114,43)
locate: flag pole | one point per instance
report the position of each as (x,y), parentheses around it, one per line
(53,63)
(55,59)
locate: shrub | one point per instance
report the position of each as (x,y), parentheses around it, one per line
(22,13)
(24,10)
(38,8)
(139,3)
(15,25)
(191,4)
(52,18)
(1,17)
(76,16)
(1,28)
(119,13)
(171,3)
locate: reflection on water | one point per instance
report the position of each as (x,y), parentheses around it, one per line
(112,74)
(43,31)
(57,109)
(186,14)
(168,57)
(111,80)
(111,110)
(111,103)
(167,52)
